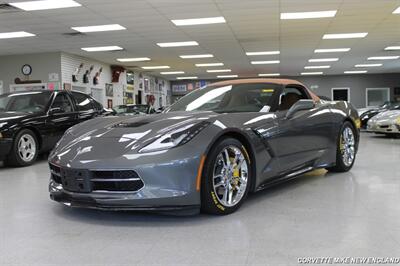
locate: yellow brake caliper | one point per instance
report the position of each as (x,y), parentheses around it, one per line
(341,146)
(236,174)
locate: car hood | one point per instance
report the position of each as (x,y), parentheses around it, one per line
(391,115)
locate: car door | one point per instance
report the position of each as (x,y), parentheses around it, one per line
(306,136)
(84,104)
(61,116)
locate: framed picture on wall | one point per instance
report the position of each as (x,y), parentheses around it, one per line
(109,90)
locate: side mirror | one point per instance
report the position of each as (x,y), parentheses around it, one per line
(301,105)
(56,110)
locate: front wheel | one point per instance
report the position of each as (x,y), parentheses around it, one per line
(346,149)
(226,178)
(25,149)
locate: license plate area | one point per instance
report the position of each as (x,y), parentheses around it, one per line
(76,180)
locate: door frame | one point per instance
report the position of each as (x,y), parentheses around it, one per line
(369,89)
(341,89)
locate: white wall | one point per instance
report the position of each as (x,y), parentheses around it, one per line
(42,65)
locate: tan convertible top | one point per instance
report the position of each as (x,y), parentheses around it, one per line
(283,82)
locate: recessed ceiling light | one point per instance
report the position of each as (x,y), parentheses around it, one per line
(323,60)
(198,21)
(172,73)
(269,75)
(99,28)
(16,34)
(345,35)
(177,44)
(209,64)
(196,56)
(397,11)
(317,67)
(392,48)
(307,15)
(383,57)
(137,59)
(368,65)
(312,73)
(227,76)
(336,50)
(182,78)
(45,4)
(156,67)
(219,70)
(102,49)
(356,72)
(265,62)
(263,53)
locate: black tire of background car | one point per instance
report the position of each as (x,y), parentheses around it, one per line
(340,166)
(209,204)
(13,158)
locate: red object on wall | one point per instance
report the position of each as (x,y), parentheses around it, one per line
(116,72)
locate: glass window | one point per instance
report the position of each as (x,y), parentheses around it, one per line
(377,96)
(26,102)
(290,96)
(83,101)
(63,102)
(251,97)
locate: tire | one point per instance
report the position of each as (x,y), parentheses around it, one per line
(343,165)
(25,149)
(215,181)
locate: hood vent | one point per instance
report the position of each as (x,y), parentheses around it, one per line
(132,124)
(6,8)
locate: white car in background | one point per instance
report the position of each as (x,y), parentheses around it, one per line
(387,122)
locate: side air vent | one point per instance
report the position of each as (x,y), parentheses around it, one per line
(6,8)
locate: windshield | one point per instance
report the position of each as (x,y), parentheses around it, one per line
(25,102)
(251,97)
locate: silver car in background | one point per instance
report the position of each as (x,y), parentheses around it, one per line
(387,123)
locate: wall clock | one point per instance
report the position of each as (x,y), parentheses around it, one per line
(26,70)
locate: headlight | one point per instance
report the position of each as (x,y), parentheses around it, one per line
(398,120)
(175,137)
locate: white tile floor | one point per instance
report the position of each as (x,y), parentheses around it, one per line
(351,214)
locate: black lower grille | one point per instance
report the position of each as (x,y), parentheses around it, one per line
(118,186)
(120,174)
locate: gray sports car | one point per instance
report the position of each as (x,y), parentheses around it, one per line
(206,152)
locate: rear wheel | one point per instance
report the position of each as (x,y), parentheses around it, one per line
(226,178)
(346,149)
(25,149)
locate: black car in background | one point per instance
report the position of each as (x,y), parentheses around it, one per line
(32,122)
(366,116)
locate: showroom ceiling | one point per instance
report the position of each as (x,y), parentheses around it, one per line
(251,26)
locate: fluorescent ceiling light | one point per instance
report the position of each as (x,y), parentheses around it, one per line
(356,72)
(102,49)
(137,59)
(392,48)
(269,75)
(369,65)
(45,4)
(182,78)
(312,73)
(99,28)
(198,21)
(383,57)
(317,67)
(263,53)
(172,73)
(227,76)
(336,50)
(345,35)
(323,60)
(219,70)
(177,44)
(397,11)
(265,62)
(209,64)
(306,15)
(156,67)
(196,56)
(17,34)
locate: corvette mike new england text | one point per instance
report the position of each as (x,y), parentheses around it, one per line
(349,260)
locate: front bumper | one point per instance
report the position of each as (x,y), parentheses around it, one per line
(383,128)
(5,147)
(168,185)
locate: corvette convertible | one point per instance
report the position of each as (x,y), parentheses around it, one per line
(205,152)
